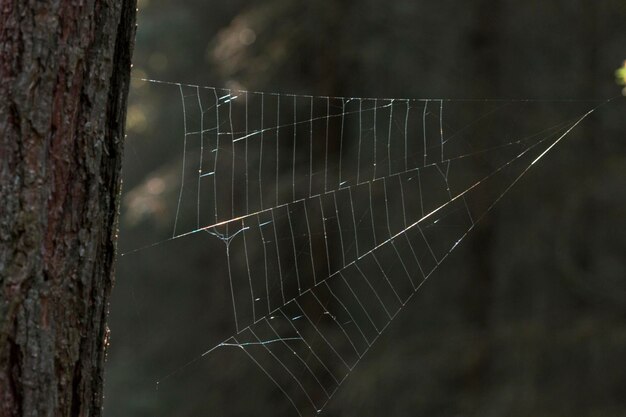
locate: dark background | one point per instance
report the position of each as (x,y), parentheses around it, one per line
(526,317)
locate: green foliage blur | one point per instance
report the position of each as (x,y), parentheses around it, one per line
(620,75)
(525,318)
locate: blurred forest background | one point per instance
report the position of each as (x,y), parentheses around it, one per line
(527,317)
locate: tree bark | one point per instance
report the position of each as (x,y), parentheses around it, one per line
(64,78)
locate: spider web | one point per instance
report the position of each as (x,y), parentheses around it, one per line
(334,211)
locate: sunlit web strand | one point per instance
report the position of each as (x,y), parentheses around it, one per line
(332,191)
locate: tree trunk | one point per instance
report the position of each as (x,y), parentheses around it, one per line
(64,77)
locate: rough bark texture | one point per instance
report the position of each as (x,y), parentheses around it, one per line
(64,76)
